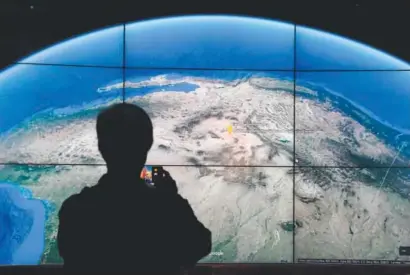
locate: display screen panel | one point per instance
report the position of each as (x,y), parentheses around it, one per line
(206,117)
(210,42)
(58,103)
(352,215)
(344,121)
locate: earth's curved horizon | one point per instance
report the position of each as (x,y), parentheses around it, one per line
(194,87)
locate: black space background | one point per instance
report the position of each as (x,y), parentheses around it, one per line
(27,26)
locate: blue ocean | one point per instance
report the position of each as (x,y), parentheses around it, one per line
(23,226)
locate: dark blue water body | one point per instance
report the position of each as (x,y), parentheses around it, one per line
(5,237)
(22,226)
(179,87)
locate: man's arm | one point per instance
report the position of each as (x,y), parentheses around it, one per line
(190,237)
(69,237)
(195,240)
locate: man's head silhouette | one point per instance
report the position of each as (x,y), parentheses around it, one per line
(125,135)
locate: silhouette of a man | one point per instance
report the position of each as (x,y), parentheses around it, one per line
(121,223)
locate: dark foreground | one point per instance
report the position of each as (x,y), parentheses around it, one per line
(245,269)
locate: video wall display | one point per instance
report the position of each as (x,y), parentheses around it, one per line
(290,143)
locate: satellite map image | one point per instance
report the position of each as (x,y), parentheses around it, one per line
(282,158)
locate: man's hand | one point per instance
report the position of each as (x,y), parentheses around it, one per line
(165,183)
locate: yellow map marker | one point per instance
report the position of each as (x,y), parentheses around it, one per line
(230,129)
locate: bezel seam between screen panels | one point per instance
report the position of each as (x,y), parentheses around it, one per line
(124,56)
(294,148)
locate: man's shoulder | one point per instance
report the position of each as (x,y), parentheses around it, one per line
(76,199)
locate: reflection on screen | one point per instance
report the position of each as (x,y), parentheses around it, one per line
(280,166)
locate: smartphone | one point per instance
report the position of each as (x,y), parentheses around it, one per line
(150,174)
